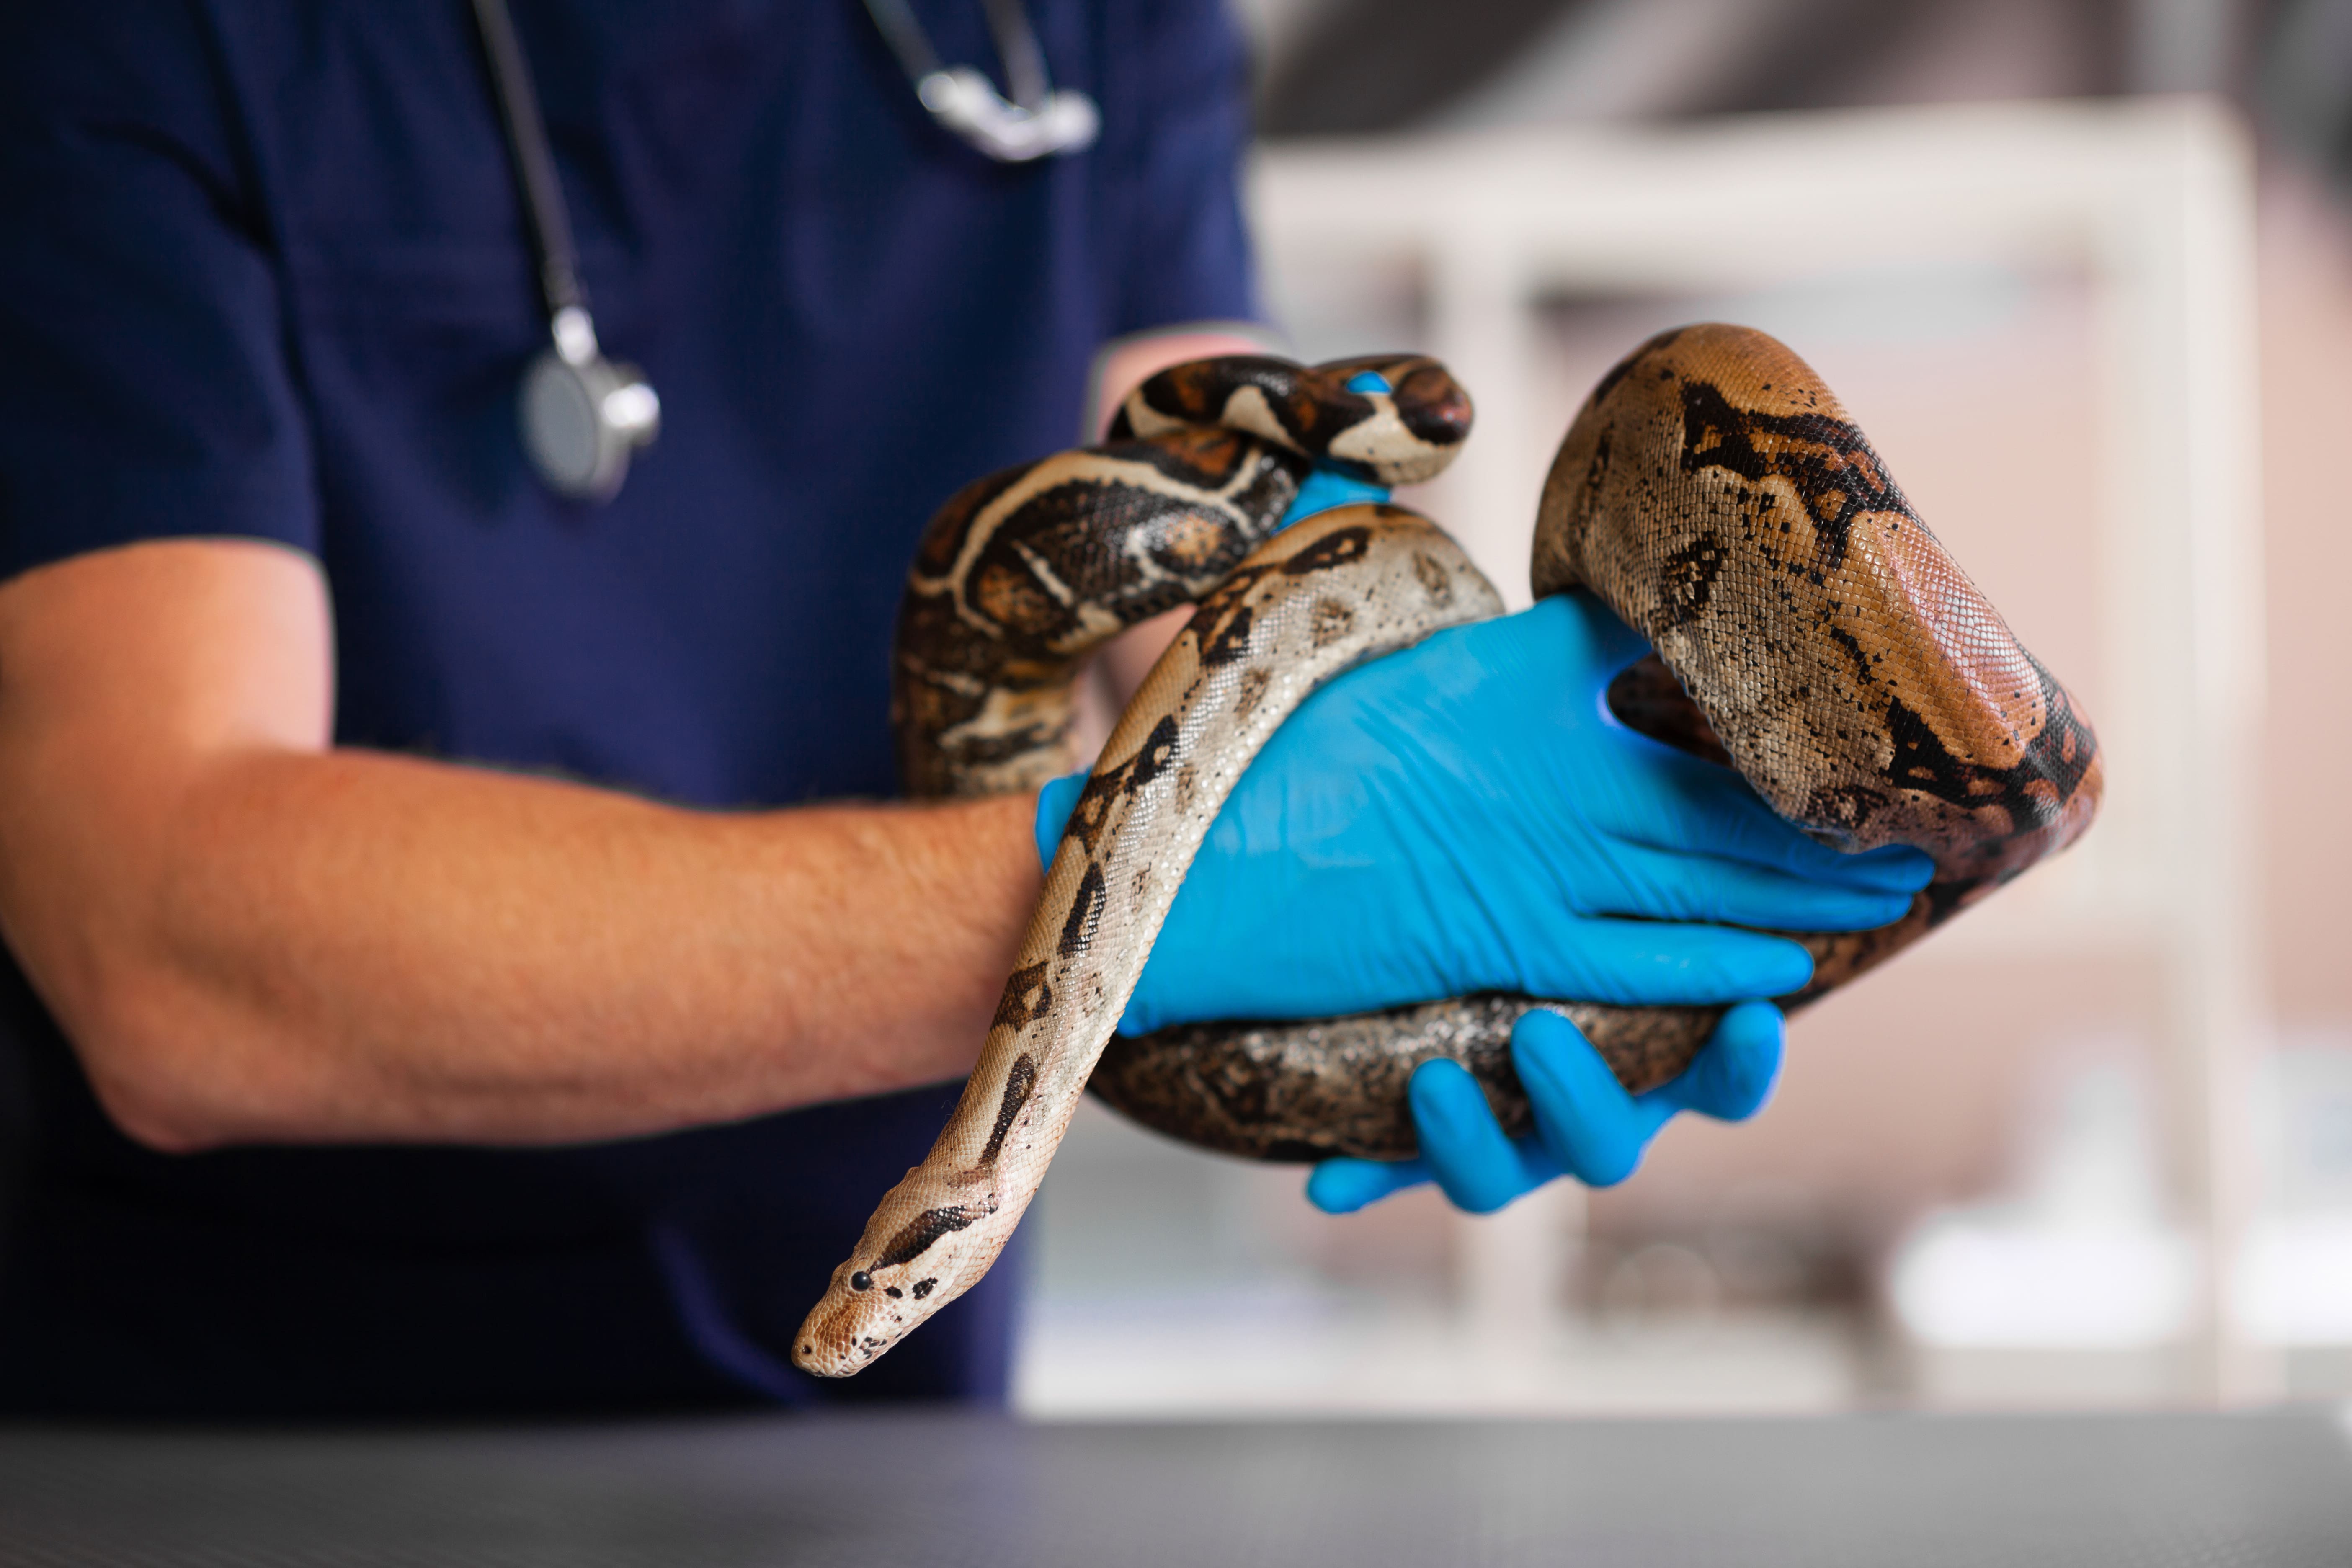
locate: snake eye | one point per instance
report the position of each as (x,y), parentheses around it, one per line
(861,1280)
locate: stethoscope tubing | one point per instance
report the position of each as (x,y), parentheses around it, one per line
(582,416)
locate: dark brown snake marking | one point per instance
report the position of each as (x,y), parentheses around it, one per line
(1810,631)
(1023,574)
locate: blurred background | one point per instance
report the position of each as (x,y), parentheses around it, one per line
(2083,269)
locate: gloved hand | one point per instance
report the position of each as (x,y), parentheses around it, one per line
(1465,814)
(1587,1126)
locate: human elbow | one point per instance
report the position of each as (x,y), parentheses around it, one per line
(145,1058)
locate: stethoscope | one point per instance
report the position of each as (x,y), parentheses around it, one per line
(582,414)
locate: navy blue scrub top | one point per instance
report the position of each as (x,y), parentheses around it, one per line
(263,273)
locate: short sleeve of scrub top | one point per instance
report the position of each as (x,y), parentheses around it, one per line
(264,276)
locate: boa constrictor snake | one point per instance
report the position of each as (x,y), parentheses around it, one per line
(1808,631)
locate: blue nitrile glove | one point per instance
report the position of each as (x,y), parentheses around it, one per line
(1465,814)
(1587,1126)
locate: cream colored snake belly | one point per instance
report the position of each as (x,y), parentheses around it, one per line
(1809,632)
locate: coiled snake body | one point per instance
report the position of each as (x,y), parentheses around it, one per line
(1810,631)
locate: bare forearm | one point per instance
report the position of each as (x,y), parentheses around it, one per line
(350,946)
(250,935)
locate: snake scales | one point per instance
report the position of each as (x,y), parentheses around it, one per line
(1809,632)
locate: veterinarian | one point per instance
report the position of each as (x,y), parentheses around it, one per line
(459,966)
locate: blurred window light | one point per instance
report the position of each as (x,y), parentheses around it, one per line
(2293,1285)
(2081,1259)
(1965,1281)
(2303,1102)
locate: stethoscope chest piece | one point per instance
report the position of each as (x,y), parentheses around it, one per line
(583,416)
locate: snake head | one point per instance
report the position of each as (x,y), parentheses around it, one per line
(860,1317)
(894,1280)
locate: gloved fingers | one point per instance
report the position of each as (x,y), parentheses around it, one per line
(1734,1076)
(1896,867)
(1629,963)
(1592,1128)
(1676,887)
(1690,805)
(1477,1167)
(1654,963)
(1589,1127)
(1345,1185)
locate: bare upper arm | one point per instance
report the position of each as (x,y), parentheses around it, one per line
(125,674)
(148,648)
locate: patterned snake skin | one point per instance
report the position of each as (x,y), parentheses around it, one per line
(1809,632)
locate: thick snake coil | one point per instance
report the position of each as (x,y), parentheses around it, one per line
(1809,632)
